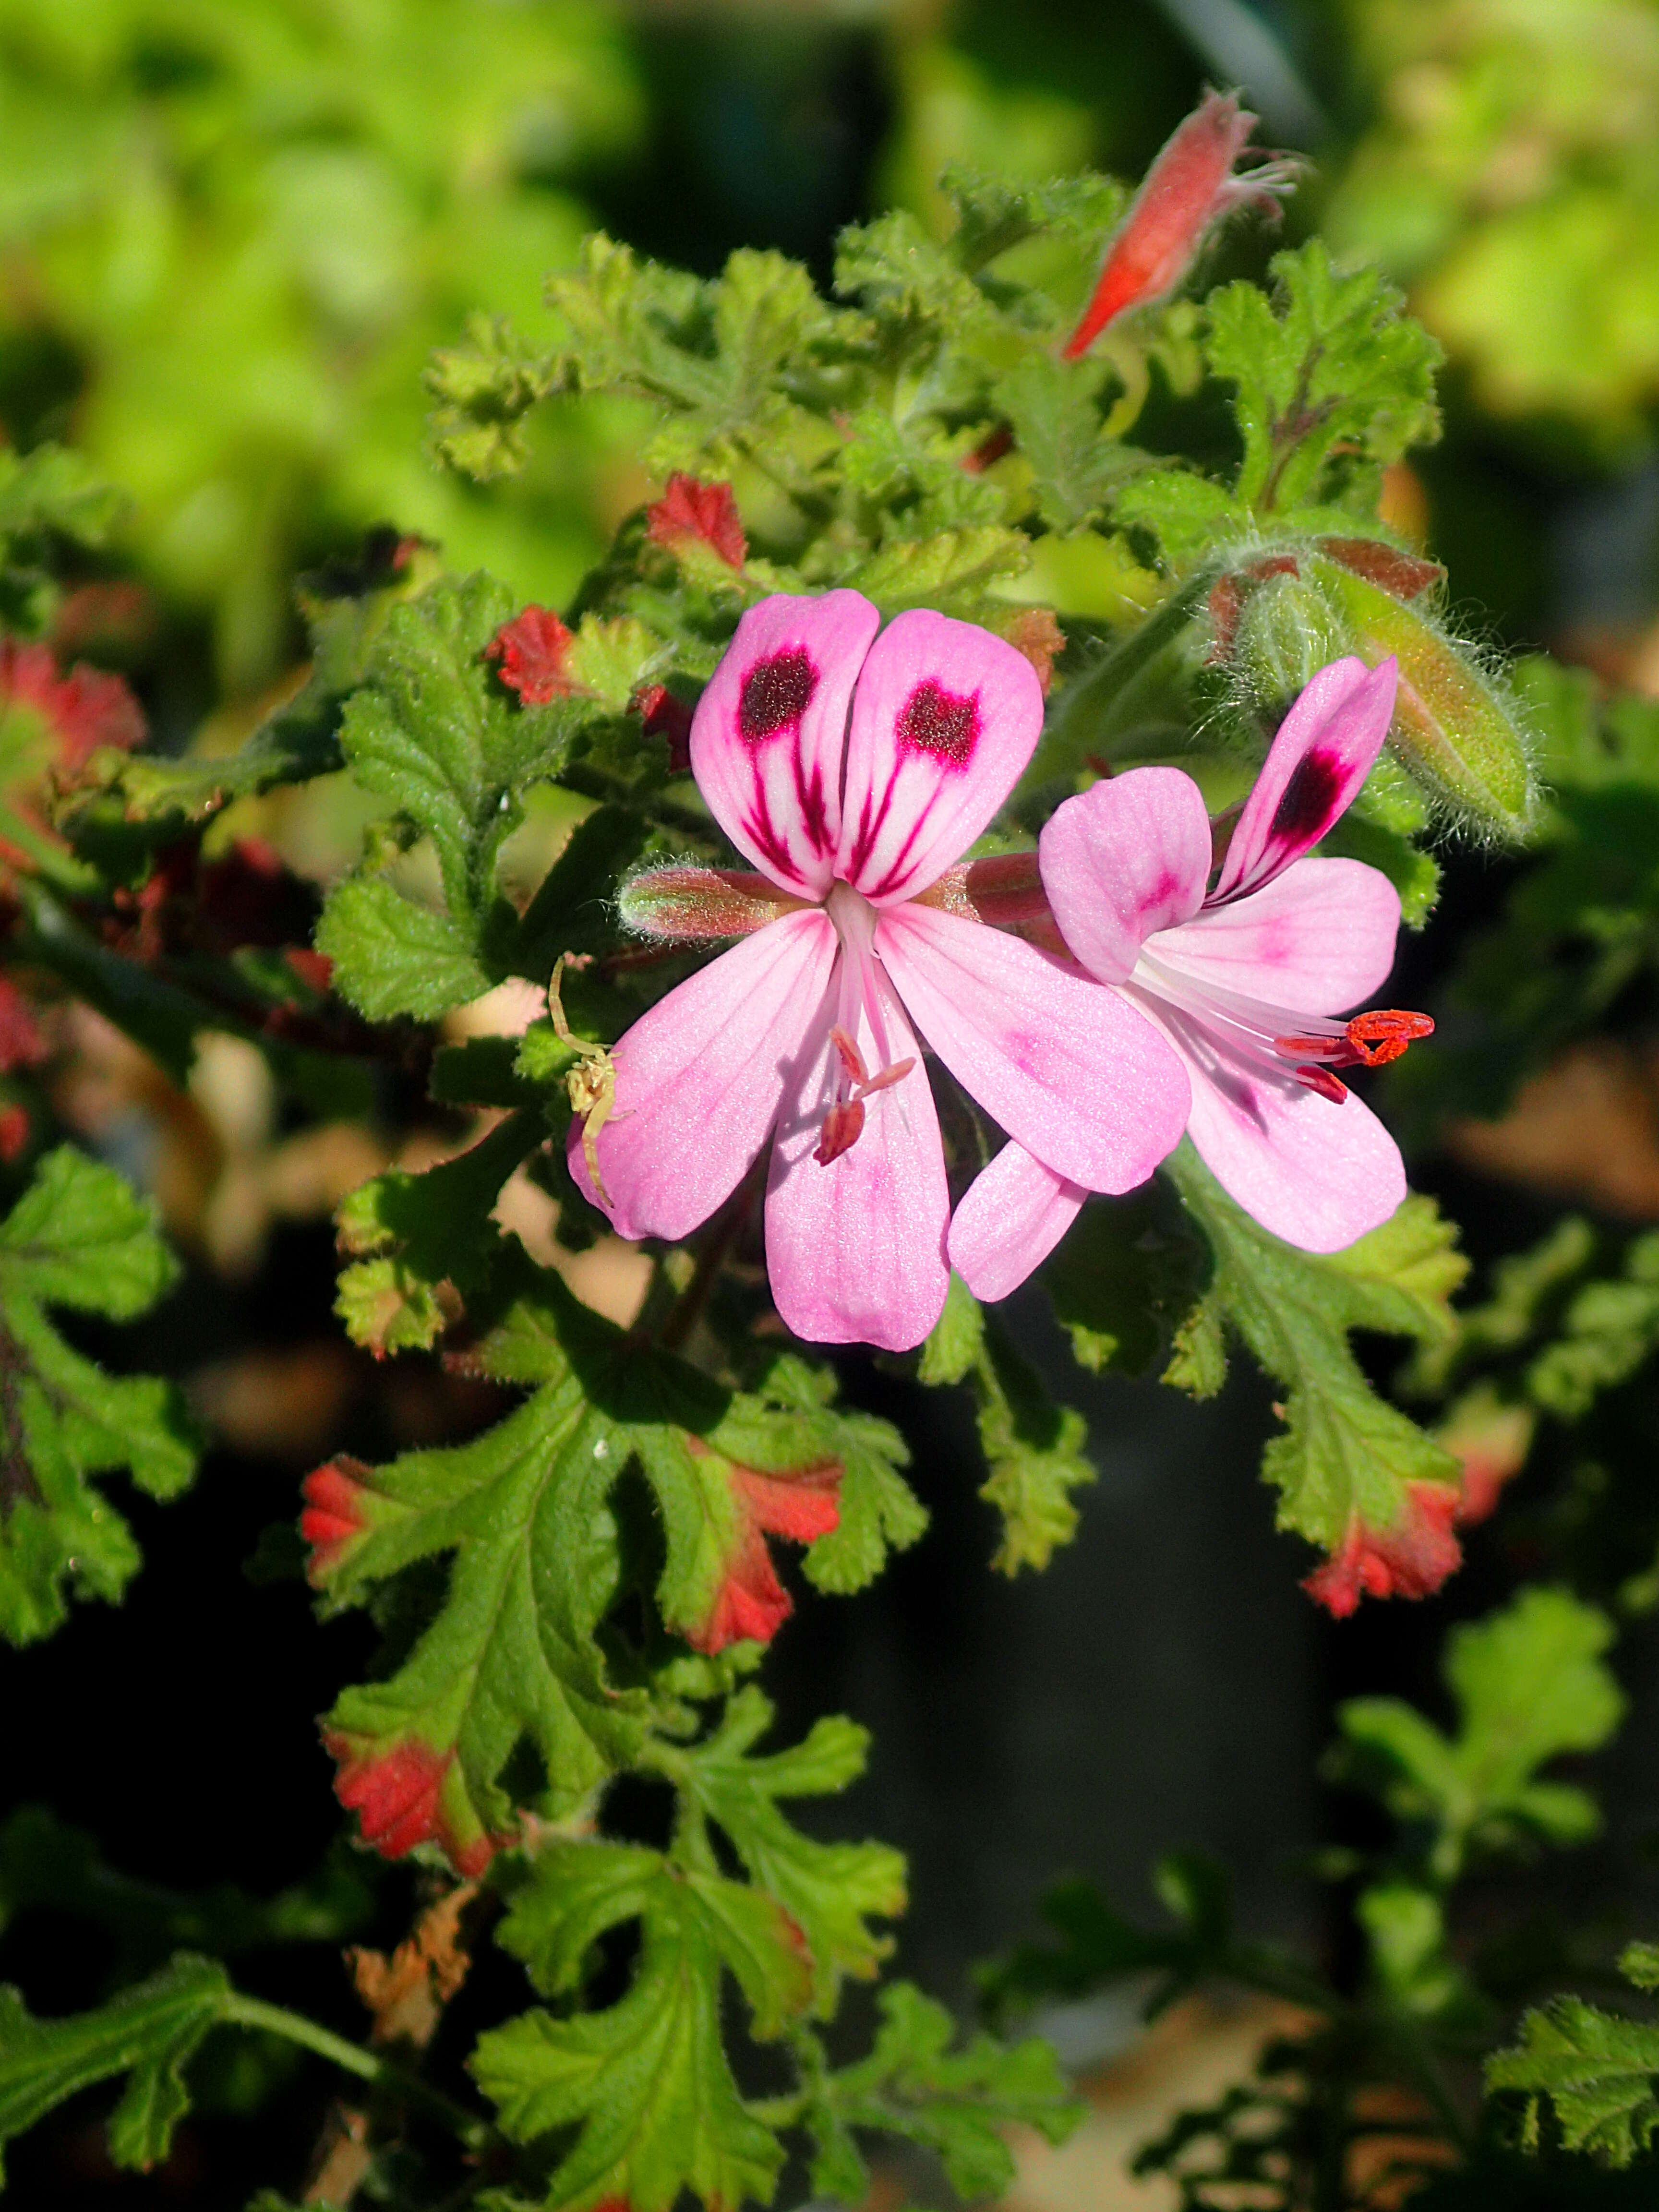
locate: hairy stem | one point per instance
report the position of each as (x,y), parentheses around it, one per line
(241,2011)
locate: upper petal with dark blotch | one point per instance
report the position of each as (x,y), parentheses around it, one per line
(944,719)
(1011,1218)
(855,1246)
(1323,754)
(769,732)
(1065,1064)
(1127,858)
(700,1077)
(1319,939)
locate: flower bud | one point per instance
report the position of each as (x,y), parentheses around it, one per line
(1287,631)
(1285,611)
(1454,730)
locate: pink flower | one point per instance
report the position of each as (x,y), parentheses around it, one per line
(851,771)
(1243,980)
(1188,188)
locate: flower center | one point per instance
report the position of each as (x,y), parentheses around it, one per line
(1275,1040)
(858,999)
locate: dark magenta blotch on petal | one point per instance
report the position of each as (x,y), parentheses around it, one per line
(1311,800)
(776,692)
(937,721)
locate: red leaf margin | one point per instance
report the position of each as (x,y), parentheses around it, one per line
(1411,1560)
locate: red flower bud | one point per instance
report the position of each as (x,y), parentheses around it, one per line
(1187,190)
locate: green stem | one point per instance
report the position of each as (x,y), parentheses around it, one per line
(785,2112)
(241,2011)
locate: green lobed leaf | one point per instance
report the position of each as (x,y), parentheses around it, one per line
(78,1236)
(954,2103)
(1346,1455)
(422,1232)
(829,1891)
(646,2082)
(1328,373)
(1530,1683)
(149,2032)
(1596,2070)
(1035,1452)
(576,1891)
(429,732)
(513,1652)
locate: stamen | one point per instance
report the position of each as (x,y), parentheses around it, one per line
(887,1078)
(1385,1033)
(1322,1080)
(1370,1040)
(843,1125)
(851,1058)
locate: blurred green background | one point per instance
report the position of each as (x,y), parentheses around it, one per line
(233,231)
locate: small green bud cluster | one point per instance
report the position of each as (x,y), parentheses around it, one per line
(1285,610)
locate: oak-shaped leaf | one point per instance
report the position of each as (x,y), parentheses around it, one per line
(573,1892)
(1597,2070)
(414,1235)
(513,1652)
(830,1892)
(646,2083)
(1331,376)
(148,2033)
(1354,1474)
(432,732)
(79,1237)
(957,2104)
(1530,1683)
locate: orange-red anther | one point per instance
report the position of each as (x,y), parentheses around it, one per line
(843,1125)
(1322,1080)
(1383,1034)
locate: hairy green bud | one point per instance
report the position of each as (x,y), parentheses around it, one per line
(1286,610)
(1454,732)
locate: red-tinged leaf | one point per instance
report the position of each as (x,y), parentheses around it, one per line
(704,511)
(405,1793)
(21,1044)
(339,1511)
(1490,1441)
(749,1602)
(1411,1560)
(83,710)
(665,716)
(529,651)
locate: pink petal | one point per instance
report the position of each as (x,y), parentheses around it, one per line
(1314,1172)
(1065,1066)
(855,1248)
(700,1077)
(1323,752)
(1130,856)
(769,732)
(944,719)
(1012,1216)
(1319,939)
